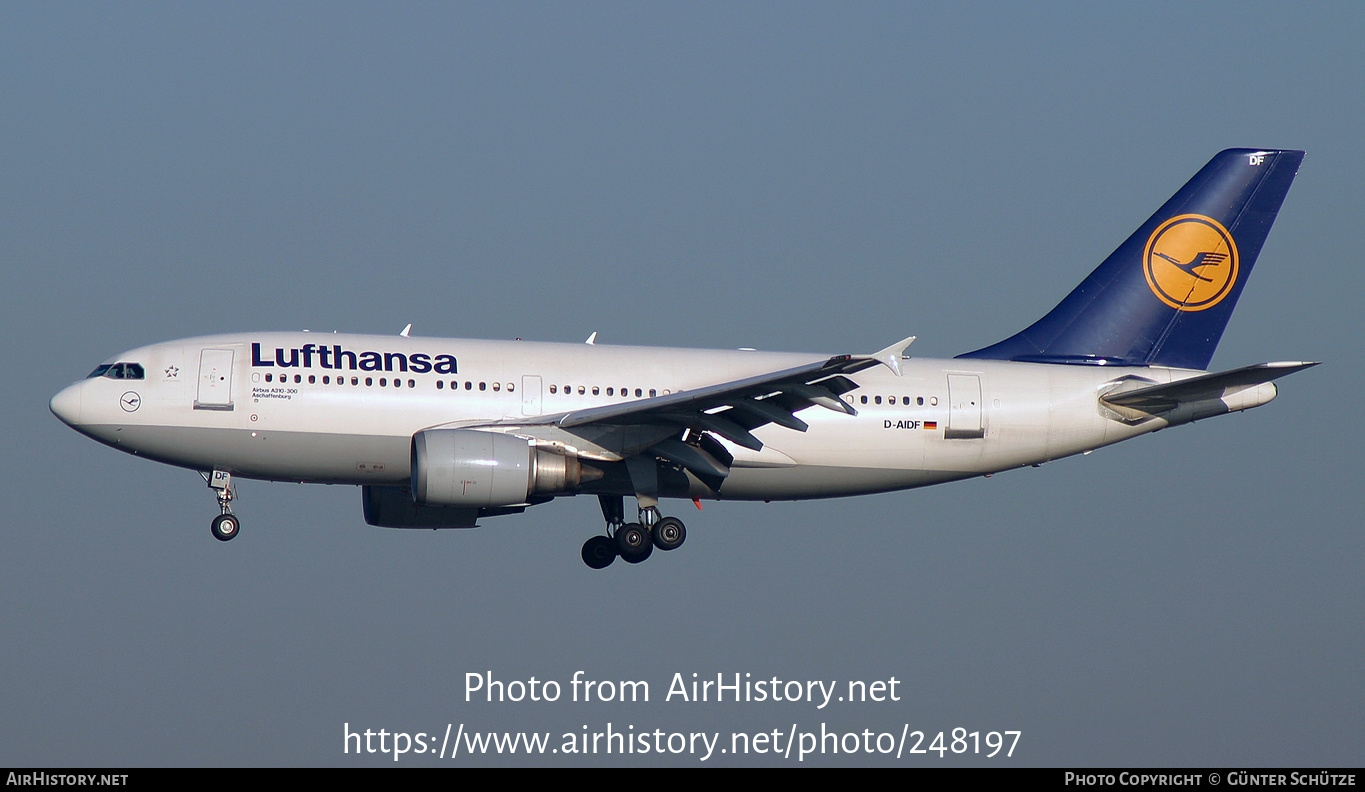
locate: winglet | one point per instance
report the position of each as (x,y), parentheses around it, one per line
(406,330)
(592,339)
(891,356)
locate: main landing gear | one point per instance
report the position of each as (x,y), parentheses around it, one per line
(633,542)
(225,526)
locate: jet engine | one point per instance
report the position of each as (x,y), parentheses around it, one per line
(472,468)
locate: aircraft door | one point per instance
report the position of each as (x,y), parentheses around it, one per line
(964,407)
(530,395)
(215,380)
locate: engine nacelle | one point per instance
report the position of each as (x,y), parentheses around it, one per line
(468,467)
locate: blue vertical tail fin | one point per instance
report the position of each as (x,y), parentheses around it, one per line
(1165,296)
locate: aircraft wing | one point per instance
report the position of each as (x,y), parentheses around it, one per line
(731,410)
(746,403)
(1205,387)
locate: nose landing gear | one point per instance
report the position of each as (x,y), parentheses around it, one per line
(226,525)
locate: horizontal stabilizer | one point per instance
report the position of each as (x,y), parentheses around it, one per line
(1206,387)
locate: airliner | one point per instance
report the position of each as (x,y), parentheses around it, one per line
(440,433)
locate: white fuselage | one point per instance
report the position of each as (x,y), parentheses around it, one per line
(334,408)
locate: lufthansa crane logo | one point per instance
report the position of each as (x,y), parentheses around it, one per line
(1190,262)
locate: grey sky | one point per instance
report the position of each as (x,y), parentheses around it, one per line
(787,176)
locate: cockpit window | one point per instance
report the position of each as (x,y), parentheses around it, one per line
(119,371)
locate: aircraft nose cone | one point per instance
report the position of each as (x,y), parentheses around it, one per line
(66,405)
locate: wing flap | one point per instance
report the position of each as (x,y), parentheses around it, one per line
(693,458)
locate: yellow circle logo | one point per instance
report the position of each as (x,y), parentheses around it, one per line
(1190,262)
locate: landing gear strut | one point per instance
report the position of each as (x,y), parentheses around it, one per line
(225,526)
(633,542)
